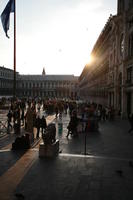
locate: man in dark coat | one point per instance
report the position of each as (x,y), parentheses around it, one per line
(43,124)
(72,127)
(38,125)
(9,116)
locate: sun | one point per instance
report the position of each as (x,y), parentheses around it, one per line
(90,59)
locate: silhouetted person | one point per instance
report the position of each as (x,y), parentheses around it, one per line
(22,116)
(38,125)
(72,127)
(43,124)
(9,116)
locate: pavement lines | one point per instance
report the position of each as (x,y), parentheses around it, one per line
(2,137)
(9,146)
(95,157)
(12,177)
(4,150)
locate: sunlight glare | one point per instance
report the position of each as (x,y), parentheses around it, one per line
(90,60)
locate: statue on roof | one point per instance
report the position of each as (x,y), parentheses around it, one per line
(43,71)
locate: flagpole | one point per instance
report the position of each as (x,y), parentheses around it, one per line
(14,81)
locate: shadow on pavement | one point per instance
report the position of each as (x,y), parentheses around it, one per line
(9,158)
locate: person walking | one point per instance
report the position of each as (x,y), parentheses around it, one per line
(38,125)
(9,116)
(43,124)
(22,116)
(72,127)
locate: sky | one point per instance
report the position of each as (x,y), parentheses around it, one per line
(57,35)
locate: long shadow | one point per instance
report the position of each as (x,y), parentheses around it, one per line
(76,145)
(9,158)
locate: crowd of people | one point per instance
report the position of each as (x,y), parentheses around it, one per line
(20,114)
(88,114)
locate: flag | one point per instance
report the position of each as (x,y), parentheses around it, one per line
(5,16)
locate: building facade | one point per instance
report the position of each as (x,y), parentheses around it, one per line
(6,81)
(108,80)
(50,86)
(38,86)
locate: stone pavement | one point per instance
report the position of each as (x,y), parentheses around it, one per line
(105,173)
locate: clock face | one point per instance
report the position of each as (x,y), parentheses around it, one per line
(122,45)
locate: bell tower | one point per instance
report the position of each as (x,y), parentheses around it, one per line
(43,72)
